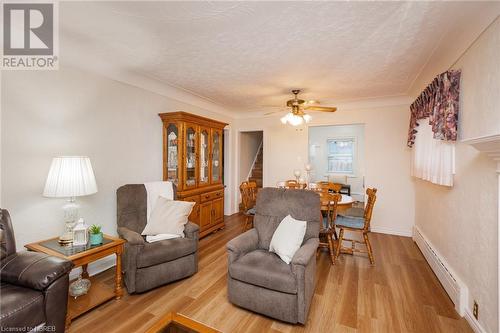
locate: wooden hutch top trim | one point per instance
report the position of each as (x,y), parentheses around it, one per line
(189,117)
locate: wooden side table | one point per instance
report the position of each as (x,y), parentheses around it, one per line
(81,256)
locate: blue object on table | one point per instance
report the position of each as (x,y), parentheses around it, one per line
(95,239)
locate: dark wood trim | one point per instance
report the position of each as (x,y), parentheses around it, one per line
(189,117)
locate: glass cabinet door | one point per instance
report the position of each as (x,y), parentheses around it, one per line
(204,156)
(216,156)
(190,158)
(172,154)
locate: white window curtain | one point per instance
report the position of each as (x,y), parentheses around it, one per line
(433,160)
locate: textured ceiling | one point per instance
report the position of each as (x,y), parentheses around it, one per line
(245,55)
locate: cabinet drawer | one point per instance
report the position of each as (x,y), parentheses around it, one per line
(212,195)
(194,198)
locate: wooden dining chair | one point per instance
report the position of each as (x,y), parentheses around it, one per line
(329,203)
(293,184)
(330,187)
(357,224)
(248,191)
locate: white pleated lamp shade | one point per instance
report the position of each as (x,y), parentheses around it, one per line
(70,176)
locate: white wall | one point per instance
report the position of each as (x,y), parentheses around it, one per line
(462,221)
(249,145)
(318,154)
(387,159)
(70,112)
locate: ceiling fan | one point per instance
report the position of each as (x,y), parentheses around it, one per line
(296,116)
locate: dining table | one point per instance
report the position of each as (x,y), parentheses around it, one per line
(345,203)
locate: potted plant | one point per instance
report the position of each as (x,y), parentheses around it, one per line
(95,234)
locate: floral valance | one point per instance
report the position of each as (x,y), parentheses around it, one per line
(439,102)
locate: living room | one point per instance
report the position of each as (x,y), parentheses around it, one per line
(230,67)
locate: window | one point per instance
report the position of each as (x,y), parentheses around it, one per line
(433,160)
(341,155)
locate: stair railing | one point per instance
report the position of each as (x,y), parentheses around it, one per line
(254,160)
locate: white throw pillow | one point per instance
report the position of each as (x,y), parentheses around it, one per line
(168,217)
(288,238)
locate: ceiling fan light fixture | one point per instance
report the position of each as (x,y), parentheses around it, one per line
(297,116)
(292,119)
(296,120)
(284,119)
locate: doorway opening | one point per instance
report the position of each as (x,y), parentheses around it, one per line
(337,154)
(251,157)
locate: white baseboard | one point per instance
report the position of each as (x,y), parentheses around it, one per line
(95,267)
(456,289)
(474,324)
(391,231)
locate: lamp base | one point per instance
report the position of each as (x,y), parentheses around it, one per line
(70,210)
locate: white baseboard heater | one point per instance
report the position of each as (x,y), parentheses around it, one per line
(457,290)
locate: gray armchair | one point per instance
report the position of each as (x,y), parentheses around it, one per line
(259,280)
(149,265)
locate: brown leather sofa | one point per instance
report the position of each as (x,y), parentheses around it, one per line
(149,265)
(259,280)
(34,286)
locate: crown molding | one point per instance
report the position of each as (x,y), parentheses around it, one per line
(447,56)
(163,89)
(371,103)
(358,104)
(91,63)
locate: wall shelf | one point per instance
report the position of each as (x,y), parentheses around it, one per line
(489,144)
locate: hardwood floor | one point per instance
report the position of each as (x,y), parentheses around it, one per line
(399,294)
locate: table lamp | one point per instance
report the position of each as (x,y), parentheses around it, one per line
(70,177)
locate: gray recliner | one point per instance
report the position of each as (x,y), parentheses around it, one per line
(149,265)
(259,280)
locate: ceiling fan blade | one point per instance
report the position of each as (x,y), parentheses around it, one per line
(311,101)
(320,108)
(273,112)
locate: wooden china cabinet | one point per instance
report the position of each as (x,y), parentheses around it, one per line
(192,159)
